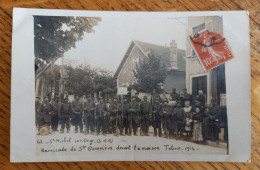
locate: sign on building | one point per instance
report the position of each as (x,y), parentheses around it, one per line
(121,90)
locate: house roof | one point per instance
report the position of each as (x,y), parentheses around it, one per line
(158,50)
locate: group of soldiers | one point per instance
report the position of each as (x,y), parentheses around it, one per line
(182,116)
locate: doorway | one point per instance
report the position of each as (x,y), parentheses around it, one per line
(199,83)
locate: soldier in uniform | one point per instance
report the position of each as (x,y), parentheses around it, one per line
(172,119)
(155,96)
(114,109)
(145,111)
(125,112)
(38,116)
(77,109)
(55,117)
(174,95)
(157,118)
(100,115)
(89,109)
(134,115)
(165,114)
(107,127)
(214,114)
(65,113)
(201,98)
(179,120)
(47,109)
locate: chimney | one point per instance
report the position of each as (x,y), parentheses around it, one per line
(173,54)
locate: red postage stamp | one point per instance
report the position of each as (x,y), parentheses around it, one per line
(211,48)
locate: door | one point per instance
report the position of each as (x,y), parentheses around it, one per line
(199,83)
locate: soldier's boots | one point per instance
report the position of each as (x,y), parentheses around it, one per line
(68,131)
(86,132)
(81,131)
(104,134)
(92,133)
(98,133)
(61,131)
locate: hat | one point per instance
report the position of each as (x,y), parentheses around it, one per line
(145,97)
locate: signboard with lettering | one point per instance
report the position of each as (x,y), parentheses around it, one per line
(121,90)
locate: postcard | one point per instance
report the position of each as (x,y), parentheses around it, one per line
(130,86)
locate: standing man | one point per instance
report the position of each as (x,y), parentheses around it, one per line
(125,112)
(214,115)
(145,111)
(65,113)
(89,115)
(55,117)
(157,118)
(201,98)
(155,96)
(114,109)
(77,109)
(175,96)
(179,120)
(133,116)
(37,111)
(47,109)
(107,127)
(100,115)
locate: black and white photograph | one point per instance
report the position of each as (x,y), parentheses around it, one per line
(131,86)
(128,78)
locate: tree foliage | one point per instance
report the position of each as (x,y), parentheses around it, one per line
(86,80)
(149,73)
(54,35)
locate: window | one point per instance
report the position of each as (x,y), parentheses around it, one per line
(198,28)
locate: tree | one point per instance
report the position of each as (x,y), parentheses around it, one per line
(87,80)
(54,35)
(149,73)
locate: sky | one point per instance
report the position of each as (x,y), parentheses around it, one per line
(106,47)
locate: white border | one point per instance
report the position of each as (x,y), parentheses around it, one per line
(236,31)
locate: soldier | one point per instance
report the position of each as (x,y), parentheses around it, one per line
(125,112)
(114,109)
(145,111)
(155,96)
(172,119)
(164,115)
(157,118)
(179,120)
(134,116)
(38,116)
(201,98)
(47,109)
(77,109)
(65,113)
(107,127)
(55,116)
(214,114)
(100,115)
(174,95)
(88,117)
(185,96)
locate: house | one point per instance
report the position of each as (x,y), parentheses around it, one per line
(171,57)
(212,83)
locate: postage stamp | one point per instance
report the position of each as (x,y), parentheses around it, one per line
(211,48)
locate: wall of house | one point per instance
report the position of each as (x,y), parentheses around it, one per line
(174,79)
(126,75)
(193,66)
